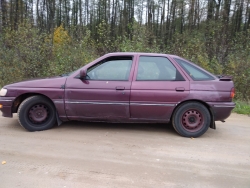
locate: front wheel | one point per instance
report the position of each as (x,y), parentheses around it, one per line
(36,113)
(191,119)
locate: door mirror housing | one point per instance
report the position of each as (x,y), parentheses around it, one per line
(83,73)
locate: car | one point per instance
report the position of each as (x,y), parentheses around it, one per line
(125,87)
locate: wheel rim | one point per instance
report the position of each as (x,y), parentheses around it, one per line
(192,120)
(38,114)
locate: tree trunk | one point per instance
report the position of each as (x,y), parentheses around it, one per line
(16,14)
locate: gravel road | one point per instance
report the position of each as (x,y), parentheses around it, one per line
(101,155)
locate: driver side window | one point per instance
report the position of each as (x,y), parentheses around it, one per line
(114,68)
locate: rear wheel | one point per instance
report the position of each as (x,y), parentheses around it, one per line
(36,113)
(191,119)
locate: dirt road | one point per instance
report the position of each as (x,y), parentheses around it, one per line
(124,155)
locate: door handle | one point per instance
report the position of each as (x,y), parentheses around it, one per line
(179,89)
(120,88)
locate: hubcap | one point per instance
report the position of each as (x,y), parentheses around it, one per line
(38,113)
(192,120)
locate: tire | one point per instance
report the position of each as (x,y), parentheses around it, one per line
(36,113)
(191,119)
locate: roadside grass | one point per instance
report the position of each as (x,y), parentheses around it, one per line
(242,107)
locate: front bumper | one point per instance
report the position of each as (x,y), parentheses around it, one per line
(6,103)
(221,110)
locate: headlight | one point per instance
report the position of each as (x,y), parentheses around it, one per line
(3,92)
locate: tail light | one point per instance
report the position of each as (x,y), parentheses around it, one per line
(232,93)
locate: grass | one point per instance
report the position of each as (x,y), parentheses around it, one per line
(242,107)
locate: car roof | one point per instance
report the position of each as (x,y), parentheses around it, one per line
(140,53)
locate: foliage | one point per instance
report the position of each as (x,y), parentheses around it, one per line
(242,107)
(61,36)
(238,65)
(141,41)
(69,58)
(192,47)
(27,52)
(70,55)
(24,54)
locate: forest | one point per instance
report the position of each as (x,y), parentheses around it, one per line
(50,37)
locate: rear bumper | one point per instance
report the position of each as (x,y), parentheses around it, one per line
(7,106)
(221,110)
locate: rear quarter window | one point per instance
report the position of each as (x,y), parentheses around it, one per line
(194,72)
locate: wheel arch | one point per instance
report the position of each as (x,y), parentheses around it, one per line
(24,96)
(212,124)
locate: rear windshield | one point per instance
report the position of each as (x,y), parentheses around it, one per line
(194,72)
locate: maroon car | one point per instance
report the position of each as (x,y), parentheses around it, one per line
(125,87)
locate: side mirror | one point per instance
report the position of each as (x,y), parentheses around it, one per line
(83,73)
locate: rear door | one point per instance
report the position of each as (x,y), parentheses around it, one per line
(156,89)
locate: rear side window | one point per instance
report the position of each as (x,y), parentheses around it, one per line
(194,72)
(157,69)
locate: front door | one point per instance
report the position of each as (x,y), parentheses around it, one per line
(104,94)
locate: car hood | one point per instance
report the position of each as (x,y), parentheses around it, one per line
(53,82)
